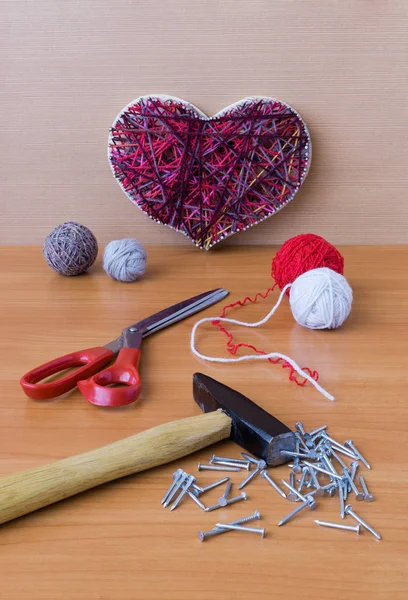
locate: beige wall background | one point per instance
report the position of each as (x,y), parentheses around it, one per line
(68,67)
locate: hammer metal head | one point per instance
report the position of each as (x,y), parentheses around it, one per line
(252,427)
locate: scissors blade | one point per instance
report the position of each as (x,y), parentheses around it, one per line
(178,311)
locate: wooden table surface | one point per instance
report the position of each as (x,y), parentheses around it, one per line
(117,542)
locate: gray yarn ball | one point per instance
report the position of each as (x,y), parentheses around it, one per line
(70,249)
(125,260)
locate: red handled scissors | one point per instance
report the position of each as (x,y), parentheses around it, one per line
(94,383)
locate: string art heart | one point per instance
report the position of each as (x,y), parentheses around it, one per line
(209,177)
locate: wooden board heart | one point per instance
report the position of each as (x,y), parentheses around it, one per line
(209,177)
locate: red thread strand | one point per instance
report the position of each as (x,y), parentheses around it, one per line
(233,348)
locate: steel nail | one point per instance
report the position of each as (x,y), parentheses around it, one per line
(216,459)
(176,475)
(319,489)
(294,512)
(227,490)
(264,474)
(251,459)
(196,500)
(295,454)
(309,442)
(225,502)
(217,468)
(305,471)
(331,489)
(358,454)
(296,465)
(184,488)
(292,497)
(367,496)
(298,494)
(318,430)
(261,466)
(356,529)
(345,491)
(347,453)
(341,500)
(321,443)
(310,482)
(241,528)
(359,495)
(204,535)
(300,428)
(207,488)
(325,471)
(328,464)
(354,466)
(336,443)
(302,443)
(339,459)
(213,507)
(236,465)
(175,489)
(349,511)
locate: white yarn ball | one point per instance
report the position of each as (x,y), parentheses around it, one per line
(321,299)
(125,260)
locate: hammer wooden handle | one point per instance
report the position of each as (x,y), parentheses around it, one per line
(25,492)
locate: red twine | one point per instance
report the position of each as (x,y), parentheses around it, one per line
(303,253)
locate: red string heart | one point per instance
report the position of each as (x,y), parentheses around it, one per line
(209,177)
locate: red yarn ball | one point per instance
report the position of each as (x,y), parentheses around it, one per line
(303,253)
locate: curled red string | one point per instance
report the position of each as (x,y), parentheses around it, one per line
(233,348)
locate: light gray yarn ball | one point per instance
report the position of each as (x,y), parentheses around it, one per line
(125,260)
(321,299)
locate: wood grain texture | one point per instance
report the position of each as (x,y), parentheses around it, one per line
(70,66)
(27,491)
(117,541)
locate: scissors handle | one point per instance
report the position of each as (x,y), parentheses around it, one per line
(124,371)
(89,361)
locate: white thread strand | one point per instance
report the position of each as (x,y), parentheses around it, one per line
(221,359)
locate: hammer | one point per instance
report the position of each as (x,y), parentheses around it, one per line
(229,414)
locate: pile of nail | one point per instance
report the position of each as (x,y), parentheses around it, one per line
(184,484)
(316,455)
